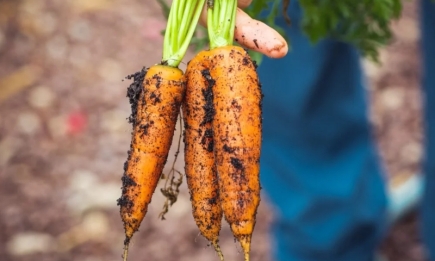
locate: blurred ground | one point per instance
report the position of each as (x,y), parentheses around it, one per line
(64,135)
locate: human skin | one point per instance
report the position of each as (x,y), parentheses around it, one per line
(255,35)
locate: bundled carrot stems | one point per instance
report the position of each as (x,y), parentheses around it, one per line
(182,21)
(221,20)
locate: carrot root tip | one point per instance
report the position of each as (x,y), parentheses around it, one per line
(125,255)
(246,256)
(218,250)
(246,246)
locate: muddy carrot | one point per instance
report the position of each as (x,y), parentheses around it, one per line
(237,137)
(154,124)
(200,166)
(236,123)
(156,104)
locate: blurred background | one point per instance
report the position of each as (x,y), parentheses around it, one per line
(64,135)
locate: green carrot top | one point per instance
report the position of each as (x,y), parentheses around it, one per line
(182,21)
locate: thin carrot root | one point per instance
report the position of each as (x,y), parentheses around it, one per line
(125,255)
(245,242)
(171,189)
(218,250)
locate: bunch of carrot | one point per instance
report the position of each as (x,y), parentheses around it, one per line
(220,97)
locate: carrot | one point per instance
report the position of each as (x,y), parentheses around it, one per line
(156,103)
(200,167)
(154,125)
(237,139)
(236,123)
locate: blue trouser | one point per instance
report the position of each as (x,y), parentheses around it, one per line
(319,162)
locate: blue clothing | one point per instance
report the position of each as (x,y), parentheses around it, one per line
(319,163)
(428,83)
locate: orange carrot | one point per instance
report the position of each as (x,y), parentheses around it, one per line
(200,167)
(154,119)
(155,106)
(236,123)
(237,138)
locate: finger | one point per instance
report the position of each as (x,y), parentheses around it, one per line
(258,36)
(255,35)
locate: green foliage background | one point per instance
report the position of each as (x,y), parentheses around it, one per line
(363,23)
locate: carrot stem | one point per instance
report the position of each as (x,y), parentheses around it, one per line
(188,9)
(192,27)
(180,10)
(221,23)
(233,21)
(182,21)
(216,17)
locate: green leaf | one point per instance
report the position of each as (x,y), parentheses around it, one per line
(365,24)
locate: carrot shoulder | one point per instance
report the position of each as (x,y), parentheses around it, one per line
(200,167)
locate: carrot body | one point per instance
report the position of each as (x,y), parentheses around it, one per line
(153,128)
(200,167)
(237,138)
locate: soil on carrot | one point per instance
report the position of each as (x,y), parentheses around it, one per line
(237,163)
(134,91)
(207,139)
(208,97)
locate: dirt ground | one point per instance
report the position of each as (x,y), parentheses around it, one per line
(64,135)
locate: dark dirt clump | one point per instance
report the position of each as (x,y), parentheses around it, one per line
(134,91)
(228,149)
(144,128)
(155,98)
(237,163)
(210,146)
(208,133)
(124,201)
(127,181)
(208,96)
(159,80)
(245,61)
(207,139)
(212,201)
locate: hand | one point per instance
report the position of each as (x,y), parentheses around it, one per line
(255,35)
